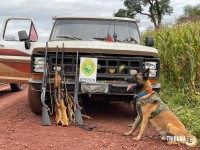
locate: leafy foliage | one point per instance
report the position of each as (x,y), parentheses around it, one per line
(179,48)
(190,10)
(155,12)
(190,13)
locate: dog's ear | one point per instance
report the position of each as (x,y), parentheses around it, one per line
(146,74)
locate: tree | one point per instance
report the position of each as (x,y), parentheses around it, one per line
(190,10)
(156,9)
(191,13)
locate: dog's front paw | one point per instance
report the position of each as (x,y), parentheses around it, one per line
(127,133)
(136,138)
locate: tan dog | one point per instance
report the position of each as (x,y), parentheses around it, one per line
(165,122)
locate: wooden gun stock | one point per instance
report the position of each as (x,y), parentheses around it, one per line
(71,108)
(64,114)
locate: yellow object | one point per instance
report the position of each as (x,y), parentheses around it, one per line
(61,115)
(121,68)
(64,115)
(112,70)
(58,115)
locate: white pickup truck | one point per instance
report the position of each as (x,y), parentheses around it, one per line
(15,50)
(114,42)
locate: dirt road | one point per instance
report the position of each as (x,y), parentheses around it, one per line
(21,129)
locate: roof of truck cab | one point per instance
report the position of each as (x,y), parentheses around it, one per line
(97,18)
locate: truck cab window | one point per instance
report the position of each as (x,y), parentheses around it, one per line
(14,26)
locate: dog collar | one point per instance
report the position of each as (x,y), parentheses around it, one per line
(143,94)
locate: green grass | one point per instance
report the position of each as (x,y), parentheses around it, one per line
(185,104)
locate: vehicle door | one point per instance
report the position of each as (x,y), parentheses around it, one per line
(17,39)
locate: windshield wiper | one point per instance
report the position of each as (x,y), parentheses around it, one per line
(68,37)
(101,39)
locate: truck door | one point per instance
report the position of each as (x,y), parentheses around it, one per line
(15,51)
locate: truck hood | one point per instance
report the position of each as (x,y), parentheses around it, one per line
(99,47)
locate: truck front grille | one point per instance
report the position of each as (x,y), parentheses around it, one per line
(112,67)
(107,66)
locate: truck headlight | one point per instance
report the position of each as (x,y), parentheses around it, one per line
(39,68)
(39,60)
(152,73)
(150,65)
(153,68)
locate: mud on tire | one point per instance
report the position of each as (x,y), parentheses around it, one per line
(34,101)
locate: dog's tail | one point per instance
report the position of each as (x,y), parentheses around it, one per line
(191,141)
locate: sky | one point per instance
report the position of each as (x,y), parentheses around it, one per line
(42,11)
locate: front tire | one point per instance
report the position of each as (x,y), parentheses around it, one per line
(34,101)
(16,87)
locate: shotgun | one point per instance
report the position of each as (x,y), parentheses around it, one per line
(61,116)
(78,115)
(57,105)
(45,116)
(62,92)
(68,99)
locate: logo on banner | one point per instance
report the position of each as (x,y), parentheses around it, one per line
(88,69)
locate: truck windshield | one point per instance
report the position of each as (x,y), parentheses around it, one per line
(85,29)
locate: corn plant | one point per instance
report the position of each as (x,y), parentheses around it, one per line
(179,48)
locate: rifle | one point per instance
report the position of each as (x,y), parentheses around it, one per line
(63,107)
(61,117)
(57,111)
(45,116)
(78,115)
(68,99)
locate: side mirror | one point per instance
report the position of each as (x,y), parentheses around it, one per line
(149,41)
(24,37)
